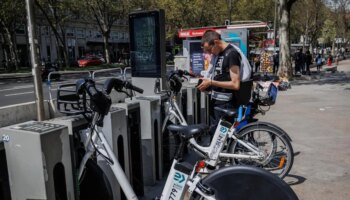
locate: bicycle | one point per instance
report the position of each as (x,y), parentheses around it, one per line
(238,147)
(182,176)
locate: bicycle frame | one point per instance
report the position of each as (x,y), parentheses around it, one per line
(173,110)
(106,150)
(219,139)
(175,184)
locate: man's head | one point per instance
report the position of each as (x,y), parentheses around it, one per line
(211,42)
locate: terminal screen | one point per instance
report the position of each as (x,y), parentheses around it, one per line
(144,44)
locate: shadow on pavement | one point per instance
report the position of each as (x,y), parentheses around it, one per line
(294,179)
(337,78)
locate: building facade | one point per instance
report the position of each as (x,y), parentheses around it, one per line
(82,38)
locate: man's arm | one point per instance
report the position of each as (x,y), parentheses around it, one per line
(234,84)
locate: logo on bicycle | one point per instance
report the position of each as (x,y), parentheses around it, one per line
(179,177)
(223,130)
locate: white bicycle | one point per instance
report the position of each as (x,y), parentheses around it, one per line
(245,182)
(258,144)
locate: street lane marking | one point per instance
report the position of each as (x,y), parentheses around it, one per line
(8,95)
(17,88)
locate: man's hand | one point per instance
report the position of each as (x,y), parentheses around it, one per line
(204,85)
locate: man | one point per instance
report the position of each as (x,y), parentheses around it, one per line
(299,61)
(229,80)
(276,62)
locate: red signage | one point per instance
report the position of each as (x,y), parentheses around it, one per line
(195,32)
(199,32)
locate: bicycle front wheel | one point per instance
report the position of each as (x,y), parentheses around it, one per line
(277,151)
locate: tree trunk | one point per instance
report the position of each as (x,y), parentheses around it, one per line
(333,48)
(285,69)
(14,41)
(106,48)
(56,27)
(12,49)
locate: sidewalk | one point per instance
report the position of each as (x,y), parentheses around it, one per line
(15,75)
(316,113)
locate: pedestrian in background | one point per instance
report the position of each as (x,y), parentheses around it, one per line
(308,61)
(257,63)
(319,62)
(299,61)
(276,62)
(329,60)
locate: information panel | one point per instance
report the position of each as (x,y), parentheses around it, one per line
(145,43)
(197,58)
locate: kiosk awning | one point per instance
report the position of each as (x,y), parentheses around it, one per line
(198,32)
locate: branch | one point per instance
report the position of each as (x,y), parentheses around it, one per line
(49,21)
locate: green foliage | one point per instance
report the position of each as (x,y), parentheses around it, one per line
(329,31)
(307,18)
(182,14)
(12,11)
(254,10)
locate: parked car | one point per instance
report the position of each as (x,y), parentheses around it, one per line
(89,61)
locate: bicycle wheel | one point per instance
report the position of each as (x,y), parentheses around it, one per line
(95,184)
(276,148)
(170,145)
(245,182)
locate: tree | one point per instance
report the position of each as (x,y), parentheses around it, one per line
(106,13)
(285,70)
(329,33)
(192,13)
(262,10)
(12,14)
(57,13)
(339,10)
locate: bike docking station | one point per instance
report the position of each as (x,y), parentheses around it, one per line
(38,157)
(115,130)
(150,138)
(74,123)
(192,104)
(5,193)
(148,66)
(132,112)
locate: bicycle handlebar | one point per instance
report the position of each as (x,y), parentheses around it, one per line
(118,84)
(181,73)
(100,101)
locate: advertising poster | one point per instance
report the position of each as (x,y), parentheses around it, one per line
(197,63)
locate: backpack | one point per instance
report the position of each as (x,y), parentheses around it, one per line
(246,68)
(319,61)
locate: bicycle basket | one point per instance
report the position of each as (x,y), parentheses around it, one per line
(69,101)
(270,97)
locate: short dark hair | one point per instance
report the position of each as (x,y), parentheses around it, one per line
(209,37)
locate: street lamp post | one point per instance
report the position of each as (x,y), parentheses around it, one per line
(34,60)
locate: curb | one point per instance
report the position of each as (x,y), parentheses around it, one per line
(14,75)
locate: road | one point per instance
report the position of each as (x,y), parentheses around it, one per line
(21,90)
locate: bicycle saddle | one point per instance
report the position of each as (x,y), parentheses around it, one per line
(229,112)
(190,130)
